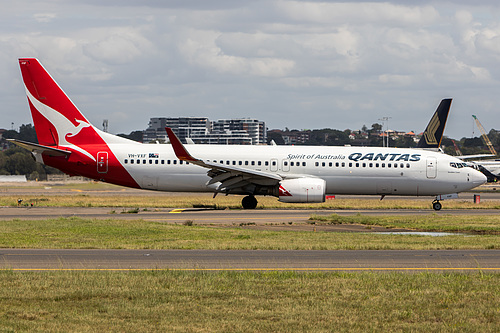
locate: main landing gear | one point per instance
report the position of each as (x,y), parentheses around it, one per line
(436,205)
(249,202)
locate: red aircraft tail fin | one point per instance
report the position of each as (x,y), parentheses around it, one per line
(57,120)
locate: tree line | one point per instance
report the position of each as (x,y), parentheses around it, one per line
(15,160)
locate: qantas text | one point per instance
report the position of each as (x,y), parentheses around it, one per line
(359,157)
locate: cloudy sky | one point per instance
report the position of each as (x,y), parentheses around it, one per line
(296,64)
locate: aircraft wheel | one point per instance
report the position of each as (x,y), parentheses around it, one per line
(437,205)
(249,202)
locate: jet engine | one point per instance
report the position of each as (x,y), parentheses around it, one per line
(305,189)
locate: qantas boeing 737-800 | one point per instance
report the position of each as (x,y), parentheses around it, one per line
(70,143)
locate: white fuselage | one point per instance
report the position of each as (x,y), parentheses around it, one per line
(346,170)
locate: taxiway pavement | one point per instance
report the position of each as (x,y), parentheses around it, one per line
(250,260)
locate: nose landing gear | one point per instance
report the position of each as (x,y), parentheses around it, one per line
(436,205)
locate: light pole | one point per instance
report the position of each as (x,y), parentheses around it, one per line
(386,121)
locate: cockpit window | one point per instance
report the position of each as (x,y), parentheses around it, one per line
(458,165)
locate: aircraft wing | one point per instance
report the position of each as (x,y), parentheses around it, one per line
(230,177)
(468,157)
(34,147)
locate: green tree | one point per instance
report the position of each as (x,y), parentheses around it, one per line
(277,137)
(134,135)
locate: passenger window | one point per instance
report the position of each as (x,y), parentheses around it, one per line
(240,162)
(234,162)
(126,161)
(150,161)
(357,165)
(143,161)
(285,163)
(168,161)
(316,164)
(383,165)
(131,161)
(407,165)
(246,162)
(323,164)
(162,161)
(388,165)
(364,165)
(274,163)
(253,162)
(175,161)
(401,165)
(138,161)
(266,163)
(180,162)
(350,165)
(259,163)
(343,164)
(156,161)
(228,162)
(291,163)
(395,165)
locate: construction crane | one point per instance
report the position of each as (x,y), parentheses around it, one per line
(457,150)
(484,136)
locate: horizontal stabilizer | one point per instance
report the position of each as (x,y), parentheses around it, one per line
(33,147)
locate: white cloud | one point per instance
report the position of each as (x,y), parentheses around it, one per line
(116,46)
(44,17)
(200,48)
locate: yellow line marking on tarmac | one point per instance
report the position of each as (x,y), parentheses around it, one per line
(264,269)
(176,211)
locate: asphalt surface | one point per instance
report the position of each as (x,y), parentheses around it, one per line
(248,260)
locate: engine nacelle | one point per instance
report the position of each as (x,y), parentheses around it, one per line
(302,190)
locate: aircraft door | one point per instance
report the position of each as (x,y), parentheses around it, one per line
(431,169)
(102,162)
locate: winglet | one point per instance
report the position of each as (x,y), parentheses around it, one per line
(179,149)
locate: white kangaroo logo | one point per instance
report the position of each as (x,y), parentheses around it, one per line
(81,125)
(63,126)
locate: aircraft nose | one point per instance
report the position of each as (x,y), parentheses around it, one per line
(477,178)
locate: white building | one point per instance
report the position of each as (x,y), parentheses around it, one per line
(201,130)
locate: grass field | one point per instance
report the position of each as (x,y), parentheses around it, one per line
(175,301)
(480,224)
(97,194)
(166,301)
(231,202)
(139,234)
